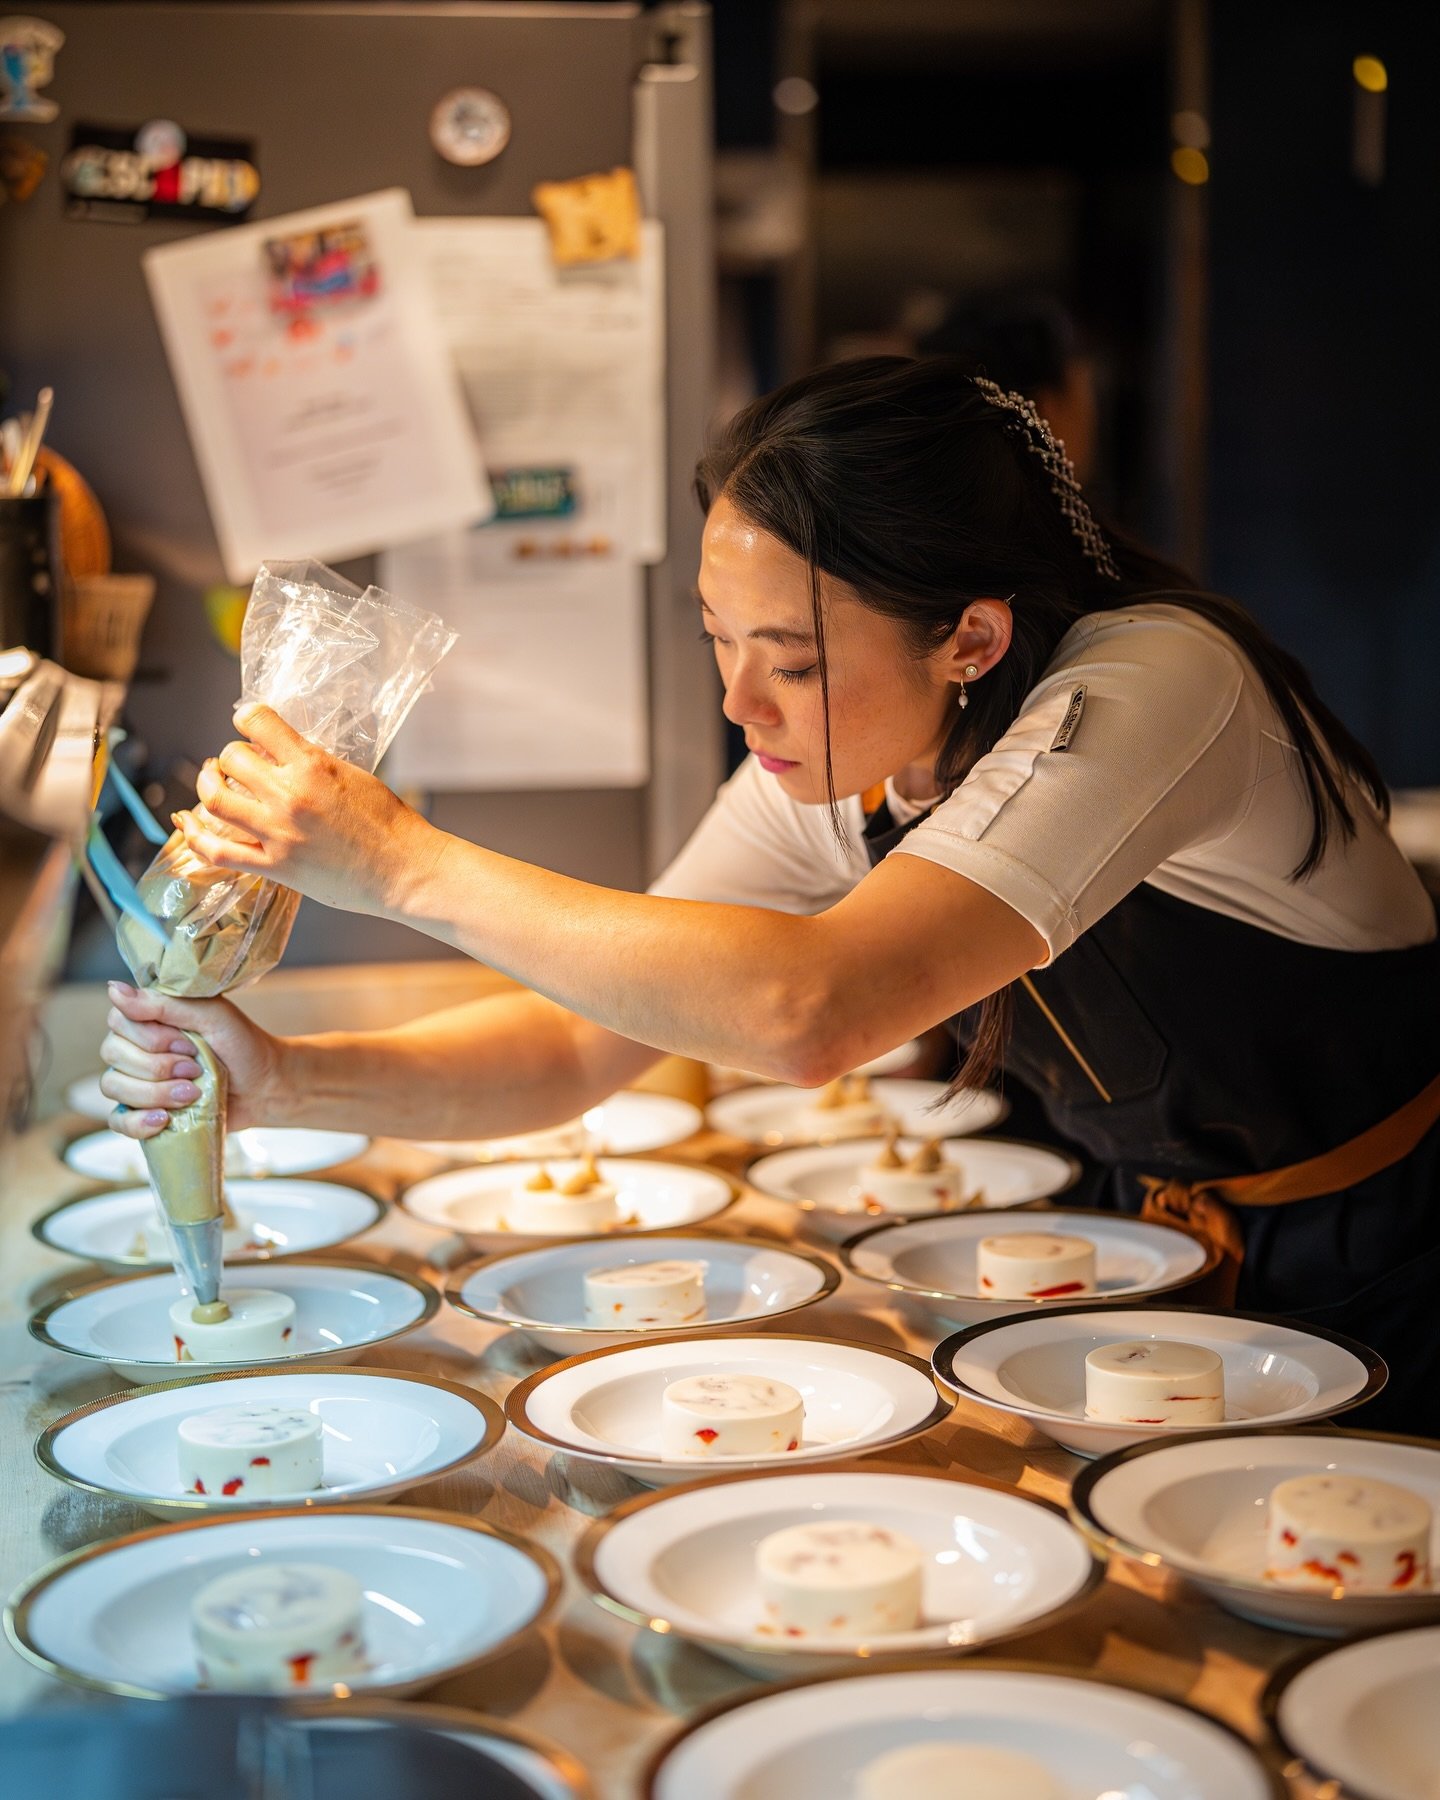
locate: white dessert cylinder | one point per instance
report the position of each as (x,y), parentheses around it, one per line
(841,1578)
(245,1453)
(641,1295)
(1035,1265)
(261,1325)
(1348,1531)
(1153,1381)
(548,1211)
(939,1771)
(730,1415)
(270,1628)
(904,1191)
(845,1109)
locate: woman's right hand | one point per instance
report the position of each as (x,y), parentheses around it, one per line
(152,1068)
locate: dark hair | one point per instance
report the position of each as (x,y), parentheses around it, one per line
(899,478)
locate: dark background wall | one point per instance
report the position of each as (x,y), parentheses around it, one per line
(1324,465)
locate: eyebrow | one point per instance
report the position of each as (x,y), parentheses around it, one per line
(770,634)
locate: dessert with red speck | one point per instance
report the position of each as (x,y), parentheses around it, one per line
(917,1181)
(1154,1381)
(1035,1265)
(270,1628)
(842,1578)
(257,1327)
(250,1451)
(730,1415)
(572,1204)
(639,1296)
(1346,1533)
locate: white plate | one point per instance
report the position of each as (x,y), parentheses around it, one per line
(542,1292)
(1365,1715)
(383,1432)
(339,1308)
(553,1773)
(775,1114)
(933,1260)
(1276,1373)
(825,1181)
(604,1407)
(441,1594)
(259,1150)
(806,1741)
(626,1124)
(1198,1506)
(683,1561)
(278,1217)
(658,1196)
(84,1096)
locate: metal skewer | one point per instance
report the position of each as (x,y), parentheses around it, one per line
(30,448)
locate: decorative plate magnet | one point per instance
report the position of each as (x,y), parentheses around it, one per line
(470,126)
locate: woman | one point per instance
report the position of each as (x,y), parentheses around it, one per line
(1006,769)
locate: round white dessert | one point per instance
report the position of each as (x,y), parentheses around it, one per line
(271,1628)
(245,1453)
(938,1771)
(641,1295)
(1035,1265)
(1154,1381)
(730,1415)
(852,1118)
(261,1325)
(903,1191)
(841,1578)
(1348,1531)
(551,1212)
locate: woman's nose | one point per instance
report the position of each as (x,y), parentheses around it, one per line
(746,703)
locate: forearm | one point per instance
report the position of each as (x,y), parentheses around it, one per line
(506,1064)
(741,986)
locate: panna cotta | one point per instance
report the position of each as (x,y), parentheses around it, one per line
(730,1415)
(639,1296)
(840,1578)
(270,1628)
(938,1771)
(258,1324)
(1035,1265)
(250,1452)
(921,1182)
(1347,1531)
(575,1206)
(1154,1381)
(846,1108)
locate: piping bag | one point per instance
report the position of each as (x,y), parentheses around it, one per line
(343,667)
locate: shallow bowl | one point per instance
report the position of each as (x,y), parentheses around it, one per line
(122,1227)
(775,1114)
(542,1292)
(1198,1506)
(806,1740)
(604,1407)
(442,1594)
(385,1431)
(1276,1373)
(995,1563)
(340,1308)
(932,1262)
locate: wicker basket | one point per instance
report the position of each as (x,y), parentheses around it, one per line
(103,618)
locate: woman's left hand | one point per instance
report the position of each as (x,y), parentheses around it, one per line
(278,806)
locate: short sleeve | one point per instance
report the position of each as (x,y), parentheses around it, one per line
(757,847)
(1160,755)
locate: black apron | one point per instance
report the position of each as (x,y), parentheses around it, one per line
(1173,1041)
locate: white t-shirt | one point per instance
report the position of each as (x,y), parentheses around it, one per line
(1178,772)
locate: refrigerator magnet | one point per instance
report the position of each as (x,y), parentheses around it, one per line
(470,126)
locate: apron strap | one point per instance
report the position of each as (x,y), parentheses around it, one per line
(1204,1207)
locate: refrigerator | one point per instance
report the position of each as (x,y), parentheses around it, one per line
(336,101)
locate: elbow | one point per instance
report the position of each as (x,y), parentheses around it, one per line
(813,1041)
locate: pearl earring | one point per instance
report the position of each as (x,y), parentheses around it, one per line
(971,670)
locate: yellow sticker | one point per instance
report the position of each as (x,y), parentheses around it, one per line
(225,609)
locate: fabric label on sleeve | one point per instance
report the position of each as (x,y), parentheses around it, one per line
(1061,739)
(999,776)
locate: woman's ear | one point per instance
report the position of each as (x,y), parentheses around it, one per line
(980,640)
